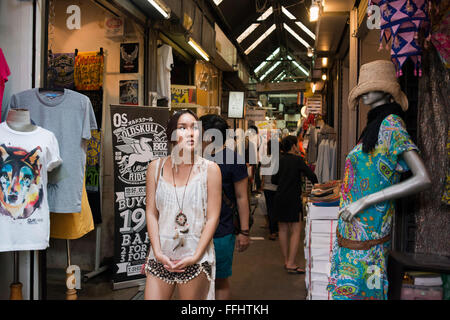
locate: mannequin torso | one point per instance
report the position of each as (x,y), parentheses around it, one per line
(19,120)
(418,182)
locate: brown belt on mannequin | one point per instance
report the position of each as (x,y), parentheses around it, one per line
(359,245)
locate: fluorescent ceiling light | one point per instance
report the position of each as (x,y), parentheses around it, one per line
(260,39)
(296,36)
(253,26)
(299,66)
(284,76)
(199,49)
(279,76)
(270,70)
(247,31)
(158,7)
(301,25)
(314,88)
(314,12)
(217,2)
(266,14)
(262,64)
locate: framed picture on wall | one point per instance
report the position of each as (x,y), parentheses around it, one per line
(129,92)
(129,57)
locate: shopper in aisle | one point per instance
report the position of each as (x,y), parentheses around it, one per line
(288,200)
(270,191)
(183,208)
(234,191)
(252,145)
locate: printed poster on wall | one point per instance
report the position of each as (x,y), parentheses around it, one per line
(183,94)
(129,57)
(236,105)
(129,90)
(138,137)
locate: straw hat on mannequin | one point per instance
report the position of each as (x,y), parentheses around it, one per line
(378,75)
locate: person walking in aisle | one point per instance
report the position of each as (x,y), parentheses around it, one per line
(234,191)
(270,191)
(288,200)
(182,211)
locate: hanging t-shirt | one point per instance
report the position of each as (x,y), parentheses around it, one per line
(70,117)
(25,158)
(165,63)
(4,74)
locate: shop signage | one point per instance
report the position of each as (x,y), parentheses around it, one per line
(265,125)
(183,94)
(114,27)
(291,125)
(255,114)
(138,137)
(236,105)
(281,124)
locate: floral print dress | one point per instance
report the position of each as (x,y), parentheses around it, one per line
(361,274)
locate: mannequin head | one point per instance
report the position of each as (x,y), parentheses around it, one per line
(376,98)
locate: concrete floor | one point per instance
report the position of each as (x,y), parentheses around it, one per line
(258,274)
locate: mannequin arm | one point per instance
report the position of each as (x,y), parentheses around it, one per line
(418,182)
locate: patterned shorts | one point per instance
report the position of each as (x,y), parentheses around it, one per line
(157,269)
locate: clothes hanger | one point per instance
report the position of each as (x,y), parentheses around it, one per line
(45,89)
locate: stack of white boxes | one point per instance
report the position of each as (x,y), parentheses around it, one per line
(320,232)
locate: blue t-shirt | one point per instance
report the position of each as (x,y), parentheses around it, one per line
(231,173)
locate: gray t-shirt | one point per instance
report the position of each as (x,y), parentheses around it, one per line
(71,118)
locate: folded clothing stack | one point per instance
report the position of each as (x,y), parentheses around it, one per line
(326,194)
(320,232)
(422,286)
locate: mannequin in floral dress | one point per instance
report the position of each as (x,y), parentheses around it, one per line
(371,183)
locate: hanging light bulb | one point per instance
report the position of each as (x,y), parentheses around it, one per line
(310,52)
(324,77)
(324,62)
(314,11)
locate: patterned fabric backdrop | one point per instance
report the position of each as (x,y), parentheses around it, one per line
(432,216)
(401,22)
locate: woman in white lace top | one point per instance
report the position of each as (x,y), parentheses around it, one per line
(183,208)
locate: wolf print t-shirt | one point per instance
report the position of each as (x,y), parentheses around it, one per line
(25,158)
(70,116)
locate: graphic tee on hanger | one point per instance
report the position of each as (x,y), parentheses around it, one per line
(165,63)
(71,118)
(4,74)
(25,158)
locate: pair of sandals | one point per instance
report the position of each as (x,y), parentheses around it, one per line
(296,270)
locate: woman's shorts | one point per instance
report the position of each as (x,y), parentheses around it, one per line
(157,269)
